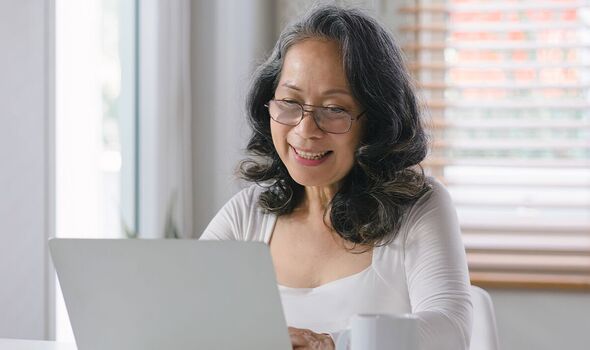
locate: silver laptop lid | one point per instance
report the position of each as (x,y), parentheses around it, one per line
(170,294)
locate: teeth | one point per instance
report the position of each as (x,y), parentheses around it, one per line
(311,156)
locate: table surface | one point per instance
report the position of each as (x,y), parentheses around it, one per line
(19,344)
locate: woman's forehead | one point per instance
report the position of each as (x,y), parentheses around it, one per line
(314,64)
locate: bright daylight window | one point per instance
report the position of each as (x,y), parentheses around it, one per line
(95,124)
(507,85)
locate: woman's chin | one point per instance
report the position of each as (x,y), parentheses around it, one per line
(314,177)
(310,180)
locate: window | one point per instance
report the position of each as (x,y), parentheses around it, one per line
(95,124)
(507,89)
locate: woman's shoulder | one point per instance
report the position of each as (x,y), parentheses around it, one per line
(247,197)
(436,195)
(429,226)
(240,218)
(433,209)
(244,204)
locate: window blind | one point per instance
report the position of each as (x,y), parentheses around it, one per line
(506,85)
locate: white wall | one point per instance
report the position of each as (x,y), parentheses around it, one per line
(542,320)
(229,37)
(24,160)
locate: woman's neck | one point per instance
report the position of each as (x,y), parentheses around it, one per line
(316,199)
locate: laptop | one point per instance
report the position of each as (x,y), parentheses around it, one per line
(135,294)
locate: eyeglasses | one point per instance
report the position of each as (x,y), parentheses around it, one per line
(332,120)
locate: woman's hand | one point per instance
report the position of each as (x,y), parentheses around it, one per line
(304,339)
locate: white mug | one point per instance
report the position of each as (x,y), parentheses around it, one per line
(380,332)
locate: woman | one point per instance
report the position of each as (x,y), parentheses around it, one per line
(352,223)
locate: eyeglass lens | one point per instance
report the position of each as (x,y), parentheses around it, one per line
(333,120)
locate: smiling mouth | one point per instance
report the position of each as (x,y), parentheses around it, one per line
(311,155)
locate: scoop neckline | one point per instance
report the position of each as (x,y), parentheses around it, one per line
(329,284)
(326,285)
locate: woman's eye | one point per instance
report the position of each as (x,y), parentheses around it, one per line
(335,110)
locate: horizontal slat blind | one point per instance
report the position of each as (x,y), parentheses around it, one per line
(507,89)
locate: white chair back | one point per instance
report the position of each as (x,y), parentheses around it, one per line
(484,335)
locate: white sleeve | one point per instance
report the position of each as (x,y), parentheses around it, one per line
(228,223)
(436,272)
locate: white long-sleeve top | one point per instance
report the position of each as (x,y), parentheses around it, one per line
(422,271)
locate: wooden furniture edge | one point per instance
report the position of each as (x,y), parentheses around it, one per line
(499,280)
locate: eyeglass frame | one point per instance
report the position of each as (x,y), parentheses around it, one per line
(313,115)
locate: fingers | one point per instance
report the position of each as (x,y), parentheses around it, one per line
(299,337)
(307,339)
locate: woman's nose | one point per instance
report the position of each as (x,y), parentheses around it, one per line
(308,127)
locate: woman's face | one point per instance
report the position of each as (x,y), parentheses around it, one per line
(313,74)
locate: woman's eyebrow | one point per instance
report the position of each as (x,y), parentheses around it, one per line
(291,86)
(335,91)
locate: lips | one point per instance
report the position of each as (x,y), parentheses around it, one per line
(309,154)
(309,158)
